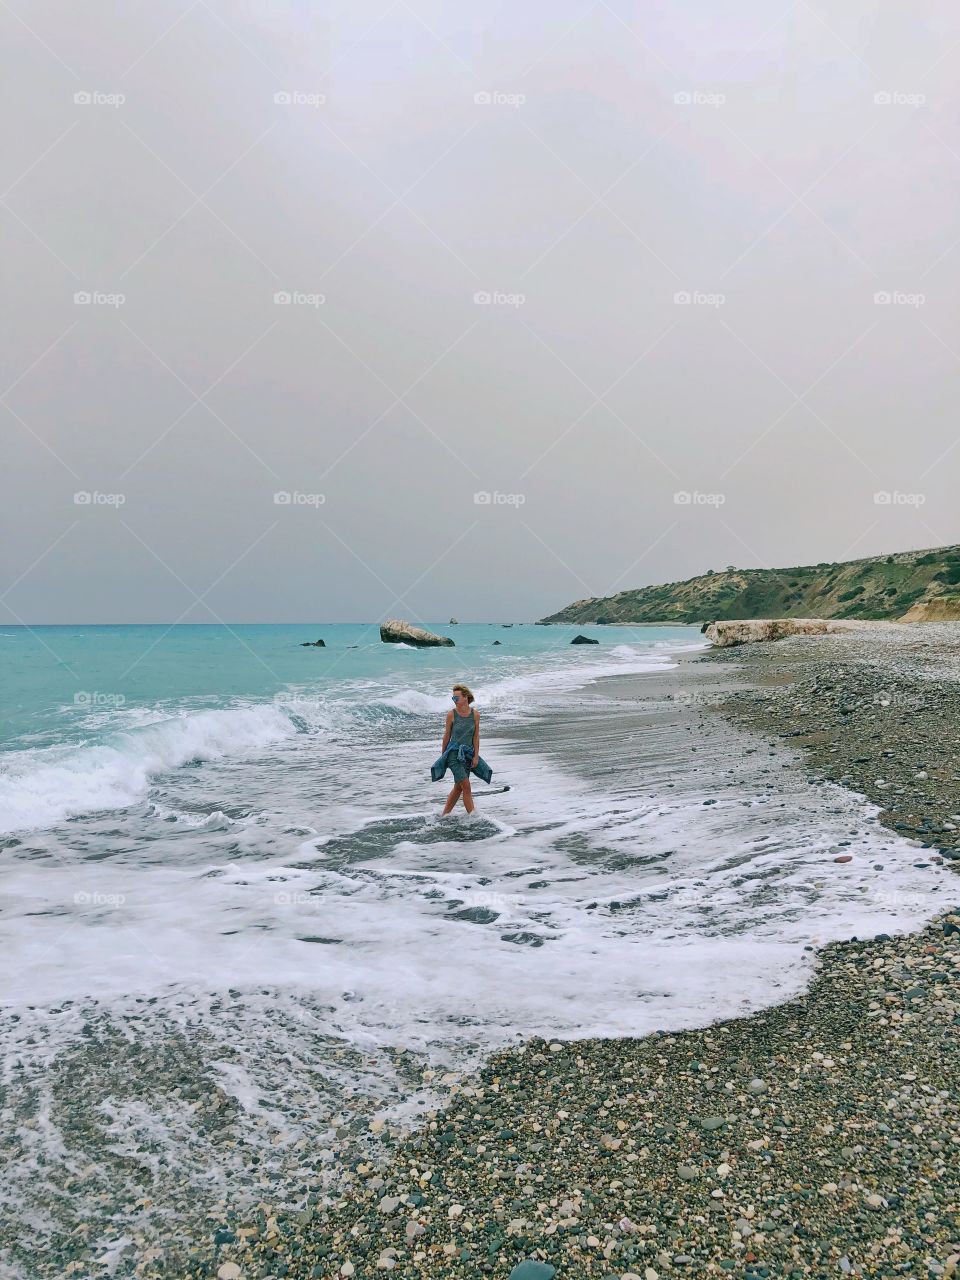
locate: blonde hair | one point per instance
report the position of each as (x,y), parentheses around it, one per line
(462,688)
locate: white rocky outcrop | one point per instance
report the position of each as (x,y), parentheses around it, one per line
(752,630)
(396,631)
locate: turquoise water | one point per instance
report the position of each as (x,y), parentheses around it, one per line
(94,714)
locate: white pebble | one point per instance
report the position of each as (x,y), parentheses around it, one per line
(229,1271)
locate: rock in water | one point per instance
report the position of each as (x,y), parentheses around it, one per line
(396,631)
(454,622)
(583,640)
(312,644)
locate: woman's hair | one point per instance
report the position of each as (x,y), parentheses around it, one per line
(462,688)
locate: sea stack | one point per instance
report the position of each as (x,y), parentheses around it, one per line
(396,631)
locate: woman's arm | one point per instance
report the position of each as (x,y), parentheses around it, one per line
(447,731)
(476,736)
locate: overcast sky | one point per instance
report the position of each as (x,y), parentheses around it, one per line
(579,164)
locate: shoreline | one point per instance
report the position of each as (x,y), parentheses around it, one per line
(587,1154)
(815,1137)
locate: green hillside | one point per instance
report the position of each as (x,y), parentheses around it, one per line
(927,583)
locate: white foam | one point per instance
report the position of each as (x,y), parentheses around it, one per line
(39,788)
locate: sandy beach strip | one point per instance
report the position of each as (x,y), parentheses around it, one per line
(817,1138)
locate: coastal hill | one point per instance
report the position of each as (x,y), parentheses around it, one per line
(913,586)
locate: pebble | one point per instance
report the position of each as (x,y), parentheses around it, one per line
(229,1271)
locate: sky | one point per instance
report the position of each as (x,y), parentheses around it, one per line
(362,310)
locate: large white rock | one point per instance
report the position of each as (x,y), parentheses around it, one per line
(752,630)
(396,631)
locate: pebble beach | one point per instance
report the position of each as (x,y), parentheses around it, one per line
(819,1137)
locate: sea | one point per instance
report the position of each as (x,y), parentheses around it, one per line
(227,834)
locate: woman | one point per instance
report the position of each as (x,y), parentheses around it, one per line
(462,729)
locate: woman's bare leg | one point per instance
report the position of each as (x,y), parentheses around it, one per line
(467,795)
(452,798)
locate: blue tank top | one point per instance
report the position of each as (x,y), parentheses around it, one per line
(462,731)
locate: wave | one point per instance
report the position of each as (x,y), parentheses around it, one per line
(42,787)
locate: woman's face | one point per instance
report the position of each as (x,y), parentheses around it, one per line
(458,698)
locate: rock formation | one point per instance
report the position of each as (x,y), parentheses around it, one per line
(396,631)
(752,630)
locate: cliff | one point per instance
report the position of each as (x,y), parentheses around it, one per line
(914,585)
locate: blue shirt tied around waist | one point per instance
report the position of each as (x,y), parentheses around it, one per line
(461,750)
